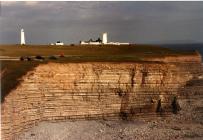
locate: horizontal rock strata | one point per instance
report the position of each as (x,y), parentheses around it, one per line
(92,90)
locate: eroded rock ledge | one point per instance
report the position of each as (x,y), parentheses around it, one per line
(93,90)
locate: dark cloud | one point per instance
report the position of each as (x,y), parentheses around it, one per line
(135,22)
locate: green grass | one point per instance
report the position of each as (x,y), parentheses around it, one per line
(12,72)
(139,51)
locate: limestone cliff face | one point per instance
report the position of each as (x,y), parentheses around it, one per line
(91,90)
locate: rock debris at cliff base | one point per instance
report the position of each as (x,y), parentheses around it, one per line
(170,128)
(186,125)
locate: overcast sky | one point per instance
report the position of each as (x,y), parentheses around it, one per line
(70,22)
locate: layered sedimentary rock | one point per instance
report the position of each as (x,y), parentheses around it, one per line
(56,91)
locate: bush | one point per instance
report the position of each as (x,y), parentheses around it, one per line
(53,57)
(39,57)
(29,58)
(22,58)
(61,55)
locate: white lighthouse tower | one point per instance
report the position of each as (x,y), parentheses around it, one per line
(22,41)
(104,38)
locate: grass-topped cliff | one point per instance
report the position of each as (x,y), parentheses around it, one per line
(138,51)
(12,71)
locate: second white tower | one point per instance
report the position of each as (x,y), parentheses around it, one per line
(22,34)
(104,38)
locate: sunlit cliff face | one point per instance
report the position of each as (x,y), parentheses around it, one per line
(56,91)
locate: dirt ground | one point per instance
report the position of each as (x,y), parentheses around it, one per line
(187,124)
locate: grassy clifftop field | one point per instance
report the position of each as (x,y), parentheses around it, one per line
(11,71)
(88,50)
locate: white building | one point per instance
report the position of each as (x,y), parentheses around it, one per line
(104,38)
(58,43)
(22,37)
(90,43)
(104,41)
(117,43)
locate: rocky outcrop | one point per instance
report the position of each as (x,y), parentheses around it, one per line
(92,90)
